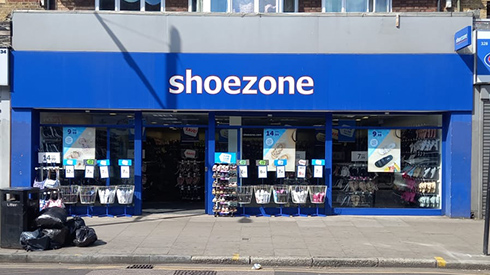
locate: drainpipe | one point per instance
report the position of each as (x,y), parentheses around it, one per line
(438,5)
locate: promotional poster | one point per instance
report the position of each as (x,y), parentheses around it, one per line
(384,151)
(280,144)
(79,144)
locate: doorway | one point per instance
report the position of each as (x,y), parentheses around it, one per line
(173,170)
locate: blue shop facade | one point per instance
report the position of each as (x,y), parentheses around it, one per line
(324,131)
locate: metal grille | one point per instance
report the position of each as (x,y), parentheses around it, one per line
(486,152)
(140,266)
(194,272)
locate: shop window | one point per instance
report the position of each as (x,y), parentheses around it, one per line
(271,138)
(383,161)
(356,5)
(90,144)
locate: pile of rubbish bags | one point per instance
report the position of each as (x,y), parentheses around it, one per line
(55,231)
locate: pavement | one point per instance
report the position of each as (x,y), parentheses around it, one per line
(333,241)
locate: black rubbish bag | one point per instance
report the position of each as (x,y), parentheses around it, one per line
(57,236)
(73,225)
(35,241)
(85,236)
(52,218)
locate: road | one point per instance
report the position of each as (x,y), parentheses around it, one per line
(81,269)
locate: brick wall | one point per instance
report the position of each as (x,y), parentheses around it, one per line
(475,5)
(75,5)
(176,5)
(415,5)
(7,6)
(310,6)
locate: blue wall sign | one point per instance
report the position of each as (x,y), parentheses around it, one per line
(245,82)
(483,56)
(462,38)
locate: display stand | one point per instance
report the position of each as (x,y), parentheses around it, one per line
(125,192)
(125,195)
(317,196)
(299,195)
(262,192)
(262,196)
(244,193)
(281,197)
(301,165)
(318,192)
(69,194)
(107,195)
(225,184)
(88,195)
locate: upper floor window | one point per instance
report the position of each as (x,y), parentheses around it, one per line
(245,6)
(356,5)
(130,5)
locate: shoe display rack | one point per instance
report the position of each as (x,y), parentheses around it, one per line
(353,185)
(225,189)
(420,173)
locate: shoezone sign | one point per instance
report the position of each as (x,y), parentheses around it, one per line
(192,83)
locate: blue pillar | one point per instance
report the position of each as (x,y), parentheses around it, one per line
(456,163)
(25,145)
(138,162)
(210,149)
(328,162)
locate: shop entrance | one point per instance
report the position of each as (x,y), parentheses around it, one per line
(173,169)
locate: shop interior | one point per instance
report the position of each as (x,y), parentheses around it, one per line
(173,169)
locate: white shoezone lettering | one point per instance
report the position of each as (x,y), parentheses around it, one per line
(267,85)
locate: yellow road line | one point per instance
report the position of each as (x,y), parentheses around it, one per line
(440,262)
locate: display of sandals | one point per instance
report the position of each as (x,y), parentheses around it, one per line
(225,189)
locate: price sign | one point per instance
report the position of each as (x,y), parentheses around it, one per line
(48,158)
(262,172)
(301,172)
(243,171)
(89,172)
(124,172)
(281,172)
(70,171)
(358,156)
(318,171)
(104,172)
